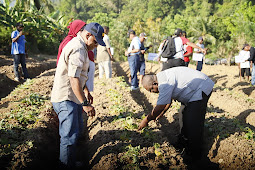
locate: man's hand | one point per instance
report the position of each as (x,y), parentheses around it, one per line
(90,110)
(142,51)
(126,53)
(143,124)
(112,59)
(89,97)
(203,51)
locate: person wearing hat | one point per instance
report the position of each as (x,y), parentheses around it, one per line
(18,51)
(141,65)
(133,58)
(104,56)
(178,58)
(67,96)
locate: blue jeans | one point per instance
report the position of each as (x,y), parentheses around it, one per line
(253,74)
(20,59)
(199,65)
(70,127)
(133,61)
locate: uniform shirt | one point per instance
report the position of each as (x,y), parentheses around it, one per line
(18,47)
(135,44)
(182,84)
(245,55)
(73,62)
(102,53)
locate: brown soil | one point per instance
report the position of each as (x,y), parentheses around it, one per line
(230,110)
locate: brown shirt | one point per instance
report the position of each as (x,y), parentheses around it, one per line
(73,62)
(102,53)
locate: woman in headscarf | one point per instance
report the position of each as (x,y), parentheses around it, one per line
(74,27)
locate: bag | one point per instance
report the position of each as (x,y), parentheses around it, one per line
(168,49)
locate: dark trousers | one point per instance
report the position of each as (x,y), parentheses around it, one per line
(20,59)
(193,125)
(199,65)
(187,64)
(173,63)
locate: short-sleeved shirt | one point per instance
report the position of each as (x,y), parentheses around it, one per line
(182,84)
(18,47)
(73,62)
(184,40)
(135,44)
(179,48)
(200,45)
(246,56)
(102,53)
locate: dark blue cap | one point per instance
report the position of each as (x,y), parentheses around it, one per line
(97,30)
(200,38)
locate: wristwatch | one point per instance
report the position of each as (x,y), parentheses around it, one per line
(85,103)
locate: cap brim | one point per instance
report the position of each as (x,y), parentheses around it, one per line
(100,41)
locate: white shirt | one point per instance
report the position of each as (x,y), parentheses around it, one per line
(179,48)
(135,44)
(183,84)
(246,56)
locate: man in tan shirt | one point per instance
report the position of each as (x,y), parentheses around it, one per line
(68,98)
(104,56)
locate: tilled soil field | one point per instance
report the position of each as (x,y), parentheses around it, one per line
(29,127)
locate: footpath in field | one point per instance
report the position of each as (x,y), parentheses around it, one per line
(29,130)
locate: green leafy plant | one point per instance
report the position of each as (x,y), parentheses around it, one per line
(132,154)
(249,133)
(128,123)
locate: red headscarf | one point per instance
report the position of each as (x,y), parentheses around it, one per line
(91,56)
(74,28)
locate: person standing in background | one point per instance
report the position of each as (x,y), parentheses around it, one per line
(141,65)
(104,56)
(196,50)
(74,27)
(91,73)
(133,58)
(187,50)
(18,51)
(252,59)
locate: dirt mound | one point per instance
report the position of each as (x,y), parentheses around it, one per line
(35,66)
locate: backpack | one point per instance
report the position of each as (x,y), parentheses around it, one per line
(168,49)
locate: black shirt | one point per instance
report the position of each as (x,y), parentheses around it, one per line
(252,55)
(142,55)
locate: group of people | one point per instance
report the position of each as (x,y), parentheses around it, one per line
(71,96)
(184,51)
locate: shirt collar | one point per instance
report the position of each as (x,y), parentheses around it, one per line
(81,39)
